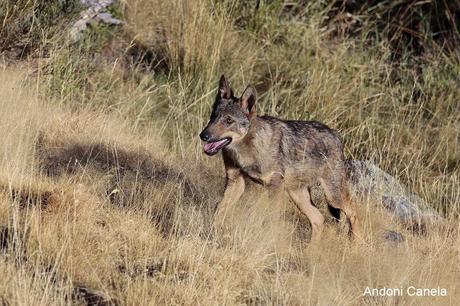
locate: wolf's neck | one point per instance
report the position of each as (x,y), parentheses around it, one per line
(254,146)
(254,137)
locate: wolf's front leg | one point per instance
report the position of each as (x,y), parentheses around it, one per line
(234,188)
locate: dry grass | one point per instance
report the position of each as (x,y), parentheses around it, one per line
(106,197)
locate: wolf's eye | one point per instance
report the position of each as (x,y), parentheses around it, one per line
(229,120)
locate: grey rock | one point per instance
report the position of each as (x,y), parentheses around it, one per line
(368,180)
(393,238)
(108,18)
(96,12)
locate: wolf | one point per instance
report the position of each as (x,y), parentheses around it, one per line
(288,155)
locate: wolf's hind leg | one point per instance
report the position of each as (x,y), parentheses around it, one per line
(338,196)
(301,198)
(349,209)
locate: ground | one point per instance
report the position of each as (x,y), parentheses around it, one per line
(107,198)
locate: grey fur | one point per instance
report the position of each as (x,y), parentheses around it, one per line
(279,154)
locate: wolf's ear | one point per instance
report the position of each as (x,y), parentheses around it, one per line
(224,88)
(248,100)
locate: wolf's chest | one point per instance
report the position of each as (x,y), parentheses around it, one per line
(256,165)
(265,173)
(270,179)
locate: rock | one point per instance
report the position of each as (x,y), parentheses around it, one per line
(108,18)
(393,238)
(90,297)
(368,180)
(96,12)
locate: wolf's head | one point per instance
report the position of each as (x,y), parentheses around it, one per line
(230,118)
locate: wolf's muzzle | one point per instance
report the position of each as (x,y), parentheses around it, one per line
(204,135)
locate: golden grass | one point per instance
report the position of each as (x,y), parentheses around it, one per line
(105,195)
(190,37)
(80,239)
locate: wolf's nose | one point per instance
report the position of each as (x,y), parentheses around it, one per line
(204,136)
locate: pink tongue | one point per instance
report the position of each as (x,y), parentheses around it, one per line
(211,146)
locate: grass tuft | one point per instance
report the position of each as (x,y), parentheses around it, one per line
(106,196)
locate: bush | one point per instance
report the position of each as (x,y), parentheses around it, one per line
(409,25)
(26,25)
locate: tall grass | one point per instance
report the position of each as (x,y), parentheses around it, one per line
(105,194)
(29,26)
